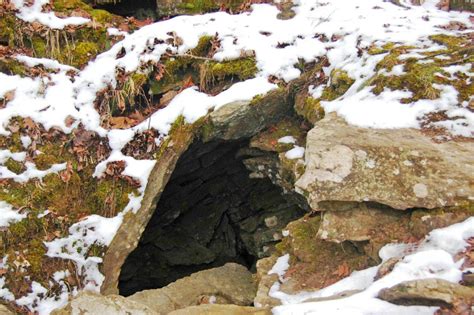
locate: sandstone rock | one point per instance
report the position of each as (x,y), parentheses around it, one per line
(265,282)
(3,309)
(358,224)
(374,225)
(244,119)
(219,309)
(402,168)
(386,267)
(429,292)
(230,284)
(130,231)
(90,303)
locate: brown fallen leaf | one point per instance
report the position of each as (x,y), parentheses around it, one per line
(121,122)
(66,174)
(342,270)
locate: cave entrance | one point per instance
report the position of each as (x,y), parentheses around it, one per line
(140,9)
(210,213)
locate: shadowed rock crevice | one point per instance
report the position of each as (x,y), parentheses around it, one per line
(210,213)
(140,9)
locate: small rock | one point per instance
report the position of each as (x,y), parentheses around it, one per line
(428,292)
(386,268)
(468,279)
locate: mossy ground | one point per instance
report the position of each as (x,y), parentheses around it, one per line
(267,140)
(74,46)
(70,195)
(204,6)
(422,74)
(335,85)
(315,263)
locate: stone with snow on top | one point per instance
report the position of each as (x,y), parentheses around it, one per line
(429,292)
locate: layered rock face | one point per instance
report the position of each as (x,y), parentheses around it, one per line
(367,188)
(401,168)
(210,213)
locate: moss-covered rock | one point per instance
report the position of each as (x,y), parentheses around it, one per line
(315,263)
(186,7)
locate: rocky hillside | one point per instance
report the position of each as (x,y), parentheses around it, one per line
(237,157)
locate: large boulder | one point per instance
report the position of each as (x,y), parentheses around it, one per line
(401,168)
(229,284)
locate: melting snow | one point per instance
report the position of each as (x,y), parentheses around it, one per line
(9,215)
(433,258)
(51,99)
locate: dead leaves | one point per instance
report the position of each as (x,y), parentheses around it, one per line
(342,270)
(443,5)
(121,122)
(66,174)
(115,169)
(454,26)
(10,95)
(143,145)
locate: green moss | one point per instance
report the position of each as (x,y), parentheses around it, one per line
(198,6)
(14,166)
(244,68)
(452,42)
(69,5)
(203,47)
(34,255)
(46,160)
(39,47)
(376,50)
(7,29)
(101,16)
(311,110)
(12,67)
(207,130)
(418,79)
(267,140)
(12,143)
(83,52)
(340,83)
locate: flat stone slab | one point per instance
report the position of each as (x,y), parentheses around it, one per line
(401,168)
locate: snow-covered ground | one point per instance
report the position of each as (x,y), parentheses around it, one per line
(433,258)
(54,99)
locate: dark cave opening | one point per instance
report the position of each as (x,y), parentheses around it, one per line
(140,9)
(210,213)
